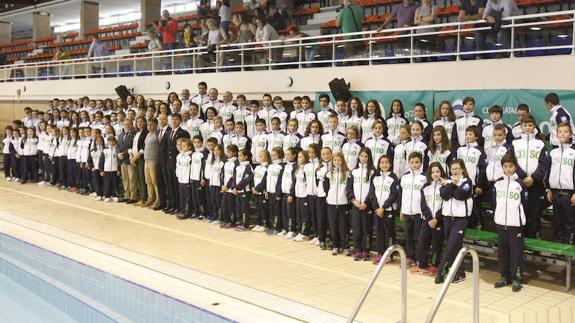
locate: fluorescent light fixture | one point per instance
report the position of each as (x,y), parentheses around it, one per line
(498,45)
(340,46)
(469,38)
(535,28)
(308,46)
(424,40)
(562,36)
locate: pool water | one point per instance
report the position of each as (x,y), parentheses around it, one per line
(21,305)
(37,285)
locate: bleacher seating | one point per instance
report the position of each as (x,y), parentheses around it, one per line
(375,13)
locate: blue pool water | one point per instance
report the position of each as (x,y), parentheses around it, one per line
(37,285)
(22,305)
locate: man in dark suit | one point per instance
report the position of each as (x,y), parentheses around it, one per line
(172,153)
(164,133)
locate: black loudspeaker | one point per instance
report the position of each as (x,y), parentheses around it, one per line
(340,89)
(123,91)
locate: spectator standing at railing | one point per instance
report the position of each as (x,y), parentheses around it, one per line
(350,19)
(155,44)
(168,26)
(98,48)
(285,8)
(276,19)
(495,12)
(203,10)
(472,10)
(189,36)
(225,14)
(425,15)
(246,29)
(266,32)
(404,14)
(60,55)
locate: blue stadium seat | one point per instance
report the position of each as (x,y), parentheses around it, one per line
(467,48)
(518,53)
(448,49)
(491,47)
(561,41)
(535,43)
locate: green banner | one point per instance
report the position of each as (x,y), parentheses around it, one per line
(408,98)
(484,99)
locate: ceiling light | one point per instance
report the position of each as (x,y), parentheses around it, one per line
(535,28)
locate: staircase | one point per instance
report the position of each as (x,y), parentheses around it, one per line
(313,26)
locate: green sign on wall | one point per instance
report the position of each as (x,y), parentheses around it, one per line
(484,99)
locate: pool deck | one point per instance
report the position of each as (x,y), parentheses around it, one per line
(254,277)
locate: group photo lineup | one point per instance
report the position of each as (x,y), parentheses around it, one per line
(289,161)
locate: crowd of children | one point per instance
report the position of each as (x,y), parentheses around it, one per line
(312,175)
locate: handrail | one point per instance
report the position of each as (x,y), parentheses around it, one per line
(229,57)
(403,267)
(454,267)
(369,33)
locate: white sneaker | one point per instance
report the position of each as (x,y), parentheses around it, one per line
(282,233)
(317,243)
(290,235)
(16,179)
(41,183)
(94,194)
(8,179)
(314,241)
(256,228)
(262,228)
(107,200)
(216,222)
(302,238)
(115,199)
(297,237)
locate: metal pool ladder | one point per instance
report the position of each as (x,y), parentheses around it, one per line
(458,260)
(403,266)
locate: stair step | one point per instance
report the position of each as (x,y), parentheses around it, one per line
(330,9)
(306,28)
(322,15)
(313,32)
(122,52)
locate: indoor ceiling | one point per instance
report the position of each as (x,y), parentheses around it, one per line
(7,6)
(64,11)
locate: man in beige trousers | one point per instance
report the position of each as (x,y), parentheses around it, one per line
(125,142)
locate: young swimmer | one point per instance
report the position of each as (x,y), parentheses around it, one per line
(509,201)
(361,213)
(383,194)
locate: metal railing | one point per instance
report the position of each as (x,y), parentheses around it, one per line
(447,41)
(403,268)
(452,271)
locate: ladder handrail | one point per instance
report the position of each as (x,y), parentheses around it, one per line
(403,267)
(458,260)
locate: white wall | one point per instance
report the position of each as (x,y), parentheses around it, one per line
(551,72)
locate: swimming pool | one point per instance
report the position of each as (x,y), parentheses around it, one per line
(41,286)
